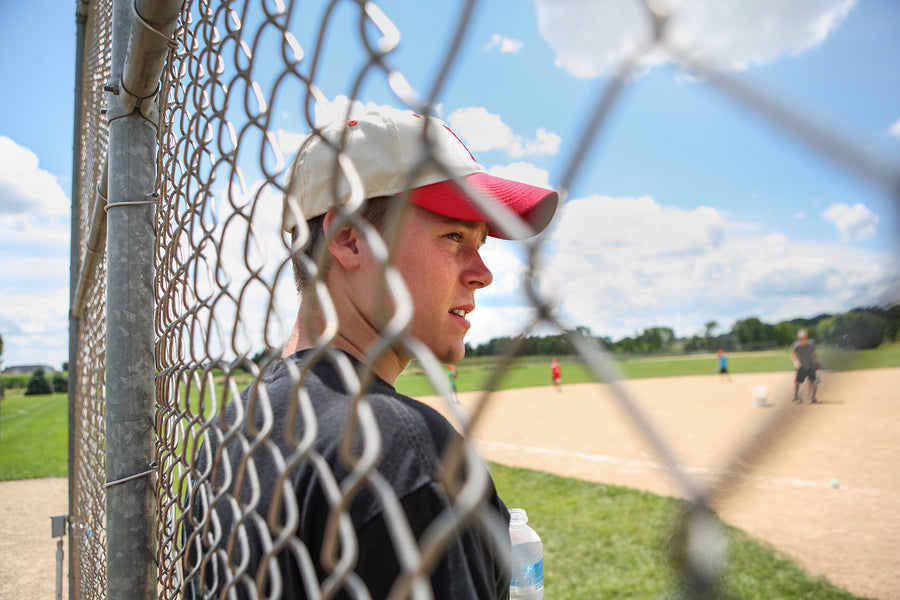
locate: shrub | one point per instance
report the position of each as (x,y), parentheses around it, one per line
(15,382)
(60,383)
(38,384)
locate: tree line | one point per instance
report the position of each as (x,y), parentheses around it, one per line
(860,328)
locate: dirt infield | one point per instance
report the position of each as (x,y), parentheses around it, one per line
(850,534)
(27,552)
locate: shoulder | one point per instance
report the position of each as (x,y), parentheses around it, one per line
(411,420)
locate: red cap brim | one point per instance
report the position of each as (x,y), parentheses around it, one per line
(535,205)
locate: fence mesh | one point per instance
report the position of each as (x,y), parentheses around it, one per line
(224,288)
(87,453)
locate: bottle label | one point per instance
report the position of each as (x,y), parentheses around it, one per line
(528,576)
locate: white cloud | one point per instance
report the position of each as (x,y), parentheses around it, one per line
(25,188)
(506,45)
(21,268)
(624,264)
(327,111)
(482,131)
(34,252)
(894,129)
(524,172)
(591,37)
(629,229)
(289,142)
(35,327)
(477,128)
(489,322)
(856,223)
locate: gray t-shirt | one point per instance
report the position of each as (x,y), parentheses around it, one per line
(413,438)
(805,353)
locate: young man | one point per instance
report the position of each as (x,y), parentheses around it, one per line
(336,505)
(806,361)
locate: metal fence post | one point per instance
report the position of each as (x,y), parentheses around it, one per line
(75,266)
(141,39)
(130,496)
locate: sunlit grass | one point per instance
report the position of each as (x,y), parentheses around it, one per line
(533,371)
(604,541)
(33,436)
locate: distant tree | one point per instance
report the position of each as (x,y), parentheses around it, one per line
(726,341)
(892,314)
(708,329)
(60,383)
(753,333)
(605,341)
(553,345)
(655,339)
(696,344)
(786,333)
(38,384)
(856,329)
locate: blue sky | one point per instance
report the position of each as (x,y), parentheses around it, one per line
(689,207)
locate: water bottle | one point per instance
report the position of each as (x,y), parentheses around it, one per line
(527,558)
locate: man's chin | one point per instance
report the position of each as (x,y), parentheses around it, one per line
(451,354)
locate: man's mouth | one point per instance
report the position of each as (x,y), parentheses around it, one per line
(459,311)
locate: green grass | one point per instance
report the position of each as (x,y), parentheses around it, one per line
(603,541)
(33,436)
(533,371)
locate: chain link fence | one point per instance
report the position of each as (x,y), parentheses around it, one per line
(218,78)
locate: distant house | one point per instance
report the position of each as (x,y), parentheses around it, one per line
(27,369)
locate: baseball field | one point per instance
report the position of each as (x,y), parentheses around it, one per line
(825,491)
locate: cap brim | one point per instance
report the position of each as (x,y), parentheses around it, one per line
(535,205)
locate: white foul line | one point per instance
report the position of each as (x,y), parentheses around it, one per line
(602,458)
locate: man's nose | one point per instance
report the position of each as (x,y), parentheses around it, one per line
(478,275)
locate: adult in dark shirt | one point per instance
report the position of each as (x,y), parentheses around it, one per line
(296,494)
(806,361)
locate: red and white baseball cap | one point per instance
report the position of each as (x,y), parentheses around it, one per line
(387,149)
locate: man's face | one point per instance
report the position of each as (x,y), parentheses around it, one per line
(803,337)
(440,261)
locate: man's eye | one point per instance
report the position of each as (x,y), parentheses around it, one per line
(455,236)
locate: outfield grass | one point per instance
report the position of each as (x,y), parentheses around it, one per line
(603,541)
(533,371)
(33,436)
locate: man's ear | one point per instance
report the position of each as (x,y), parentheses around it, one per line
(345,244)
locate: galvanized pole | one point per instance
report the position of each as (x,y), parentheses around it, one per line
(130,497)
(81,13)
(59,570)
(140,46)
